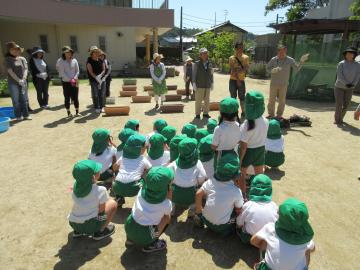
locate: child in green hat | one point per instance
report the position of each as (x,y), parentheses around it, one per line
(206,155)
(123,137)
(259,210)
(274,145)
(158,126)
(157,155)
(104,152)
(289,241)
(174,146)
(150,214)
(132,168)
(223,198)
(93,209)
(189,174)
(189,130)
(211,125)
(133,124)
(253,135)
(168,132)
(201,133)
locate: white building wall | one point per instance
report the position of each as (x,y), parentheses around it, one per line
(337,9)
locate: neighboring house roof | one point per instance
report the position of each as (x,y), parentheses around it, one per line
(177,39)
(219,26)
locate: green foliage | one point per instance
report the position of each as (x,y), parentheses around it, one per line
(355,9)
(258,70)
(4,91)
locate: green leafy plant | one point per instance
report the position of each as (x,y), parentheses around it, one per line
(258,70)
(4,91)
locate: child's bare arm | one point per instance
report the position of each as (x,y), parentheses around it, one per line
(258,242)
(237,211)
(243,148)
(163,222)
(198,201)
(101,208)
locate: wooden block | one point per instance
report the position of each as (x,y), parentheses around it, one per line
(110,100)
(141,99)
(117,110)
(148,88)
(172,108)
(214,106)
(129,88)
(128,93)
(173,97)
(171,87)
(129,81)
(181,92)
(150,93)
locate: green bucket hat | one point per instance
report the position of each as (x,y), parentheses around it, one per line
(292,225)
(156,185)
(133,146)
(229,105)
(274,131)
(83,173)
(101,140)
(168,132)
(227,168)
(188,153)
(132,124)
(159,124)
(201,133)
(254,105)
(156,149)
(206,153)
(261,188)
(174,146)
(124,136)
(189,130)
(211,125)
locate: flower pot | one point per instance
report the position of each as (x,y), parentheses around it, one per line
(173,97)
(116,110)
(214,106)
(148,88)
(181,92)
(129,81)
(172,108)
(141,99)
(129,88)
(128,93)
(171,87)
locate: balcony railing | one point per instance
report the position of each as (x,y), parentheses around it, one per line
(151,4)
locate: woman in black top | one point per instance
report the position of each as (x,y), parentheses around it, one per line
(107,75)
(40,76)
(96,70)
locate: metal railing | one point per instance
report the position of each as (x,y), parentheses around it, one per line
(151,4)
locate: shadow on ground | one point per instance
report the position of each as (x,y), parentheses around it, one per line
(314,106)
(275,174)
(121,215)
(351,129)
(134,259)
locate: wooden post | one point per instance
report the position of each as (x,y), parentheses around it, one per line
(156,40)
(147,38)
(2,60)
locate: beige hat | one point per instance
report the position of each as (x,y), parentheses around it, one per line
(188,59)
(12,45)
(66,49)
(94,48)
(157,55)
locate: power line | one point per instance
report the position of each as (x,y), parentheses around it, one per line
(211,20)
(197,21)
(240,22)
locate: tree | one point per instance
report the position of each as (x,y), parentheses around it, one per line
(355,9)
(297,9)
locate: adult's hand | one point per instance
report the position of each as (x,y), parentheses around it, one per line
(21,83)
(304,58)
(275,70)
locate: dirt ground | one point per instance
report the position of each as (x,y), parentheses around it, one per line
(36,157)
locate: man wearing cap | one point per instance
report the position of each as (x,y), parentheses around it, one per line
(188,75)
(239,65)
(279,67)
(203,82)
(347,77)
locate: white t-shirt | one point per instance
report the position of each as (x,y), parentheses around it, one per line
(188,177)
(222,197)
(256,137)
(254,215)
(148,214)
(106,158)
(162,161)
(131,169)
(87,207)
(209,168)
(281,255)
(119,154)
(276,146)
(149,136)
(227,136)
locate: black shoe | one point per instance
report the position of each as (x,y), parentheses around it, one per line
(120,201)
(77,113)
(77,234)
(69,114)
(129,244)
(109,230)
(156,106)
(197,116)
(156,246)
(205,115)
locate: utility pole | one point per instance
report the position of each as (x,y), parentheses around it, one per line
(277,21)
(215,19)
(181,34)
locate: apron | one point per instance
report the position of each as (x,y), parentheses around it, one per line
(159,89)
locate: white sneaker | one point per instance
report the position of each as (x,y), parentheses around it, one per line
(102,110)
(28,118)
(19,118)
(98,111)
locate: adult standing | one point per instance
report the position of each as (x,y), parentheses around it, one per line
(158,74)
(280,67)
(17,71)
(203,82)
(239,65)
(68,69)
(107,75)
(40,76)
(347,77)
(188,75)
(96,70)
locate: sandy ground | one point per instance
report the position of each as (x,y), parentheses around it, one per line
(36,157)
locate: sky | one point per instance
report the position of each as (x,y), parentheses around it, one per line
(247,14)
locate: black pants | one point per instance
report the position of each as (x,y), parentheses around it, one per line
(42,91)
(187,87)
(107,86)
(70,92)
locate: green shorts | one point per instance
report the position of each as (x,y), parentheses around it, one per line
(223,229)
(273,159)
(262,266)
(254,157)
(138,234)
(183,196)
(88,227)
(127,190)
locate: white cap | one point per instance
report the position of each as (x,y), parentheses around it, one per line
(156,55)
(203,50)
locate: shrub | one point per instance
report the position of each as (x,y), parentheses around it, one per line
(258,70)
(4,90)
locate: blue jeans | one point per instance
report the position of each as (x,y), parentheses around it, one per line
(98,95)
(19,99)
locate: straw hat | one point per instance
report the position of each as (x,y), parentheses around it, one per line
(12,45)
(66,49)
(94,48)
(157,55)
(188,59)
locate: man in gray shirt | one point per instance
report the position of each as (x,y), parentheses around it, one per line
(279,67)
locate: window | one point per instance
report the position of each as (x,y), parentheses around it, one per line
(102,43)
(74,43)
(44,43)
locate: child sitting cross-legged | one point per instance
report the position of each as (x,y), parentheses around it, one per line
(189,130)
(133,124)
(150,214)
(123,137)
(174,146)
(158,126)
(156,155)
(223,198)
(274,145)
(92,210)
(206,155)
(211,125)
(168,132)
